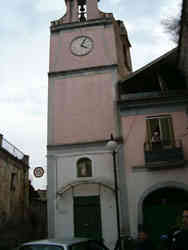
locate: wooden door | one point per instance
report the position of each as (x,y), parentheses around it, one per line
(87,217)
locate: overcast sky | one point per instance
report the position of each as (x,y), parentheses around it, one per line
(24,58)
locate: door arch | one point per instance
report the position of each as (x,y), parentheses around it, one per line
(162,208)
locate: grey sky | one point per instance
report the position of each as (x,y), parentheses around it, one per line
(24,50)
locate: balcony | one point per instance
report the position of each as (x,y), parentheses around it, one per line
(164,154)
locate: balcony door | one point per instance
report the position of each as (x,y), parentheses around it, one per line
(161,125)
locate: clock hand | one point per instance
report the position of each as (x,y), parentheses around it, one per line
(83,43)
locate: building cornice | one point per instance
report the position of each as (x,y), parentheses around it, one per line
(5,155)
(82,144)
(141,103)
(81,70)
(75,25)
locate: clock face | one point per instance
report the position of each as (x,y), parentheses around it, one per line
(81,46)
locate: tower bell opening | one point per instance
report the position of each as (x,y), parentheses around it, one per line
(82,10)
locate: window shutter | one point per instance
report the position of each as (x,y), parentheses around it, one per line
(148,131)
(148,144)
(154,124)
(171,130)
(167,130)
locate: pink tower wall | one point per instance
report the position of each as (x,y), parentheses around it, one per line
(103,53)
(83,109)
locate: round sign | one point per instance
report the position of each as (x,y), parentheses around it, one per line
(38,172)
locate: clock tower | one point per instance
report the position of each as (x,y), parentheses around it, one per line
(89,54)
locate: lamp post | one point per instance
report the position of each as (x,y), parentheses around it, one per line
(112,145)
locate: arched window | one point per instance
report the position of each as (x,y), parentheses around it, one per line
(84,167)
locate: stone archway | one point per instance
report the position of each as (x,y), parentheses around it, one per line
(160,206)
(99,181)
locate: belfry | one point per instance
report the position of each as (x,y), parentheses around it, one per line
(89,54)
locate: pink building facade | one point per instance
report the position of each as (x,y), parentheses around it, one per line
(153,108)
(94,93)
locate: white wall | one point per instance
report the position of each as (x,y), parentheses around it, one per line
(142,182)
(101,184)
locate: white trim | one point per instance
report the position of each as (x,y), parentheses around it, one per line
(79,154)
(99,181)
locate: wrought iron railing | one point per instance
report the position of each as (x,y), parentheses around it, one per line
(169,151)
(12,149)
(163,144)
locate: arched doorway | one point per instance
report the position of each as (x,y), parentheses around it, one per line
(84,208)
(162,210)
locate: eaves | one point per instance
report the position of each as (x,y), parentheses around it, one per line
(153,102)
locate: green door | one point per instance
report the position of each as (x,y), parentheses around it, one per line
(162,211)
(87,217)
(159,219)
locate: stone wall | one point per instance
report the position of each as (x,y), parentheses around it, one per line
(14,199)
(22,213)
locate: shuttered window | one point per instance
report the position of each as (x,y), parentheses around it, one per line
(164,125)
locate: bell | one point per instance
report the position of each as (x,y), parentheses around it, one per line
(82,9)
(82,17)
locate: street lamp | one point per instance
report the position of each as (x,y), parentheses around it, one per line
(112,145)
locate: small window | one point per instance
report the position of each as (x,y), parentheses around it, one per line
(13,182)
(160,130)
(84,168)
